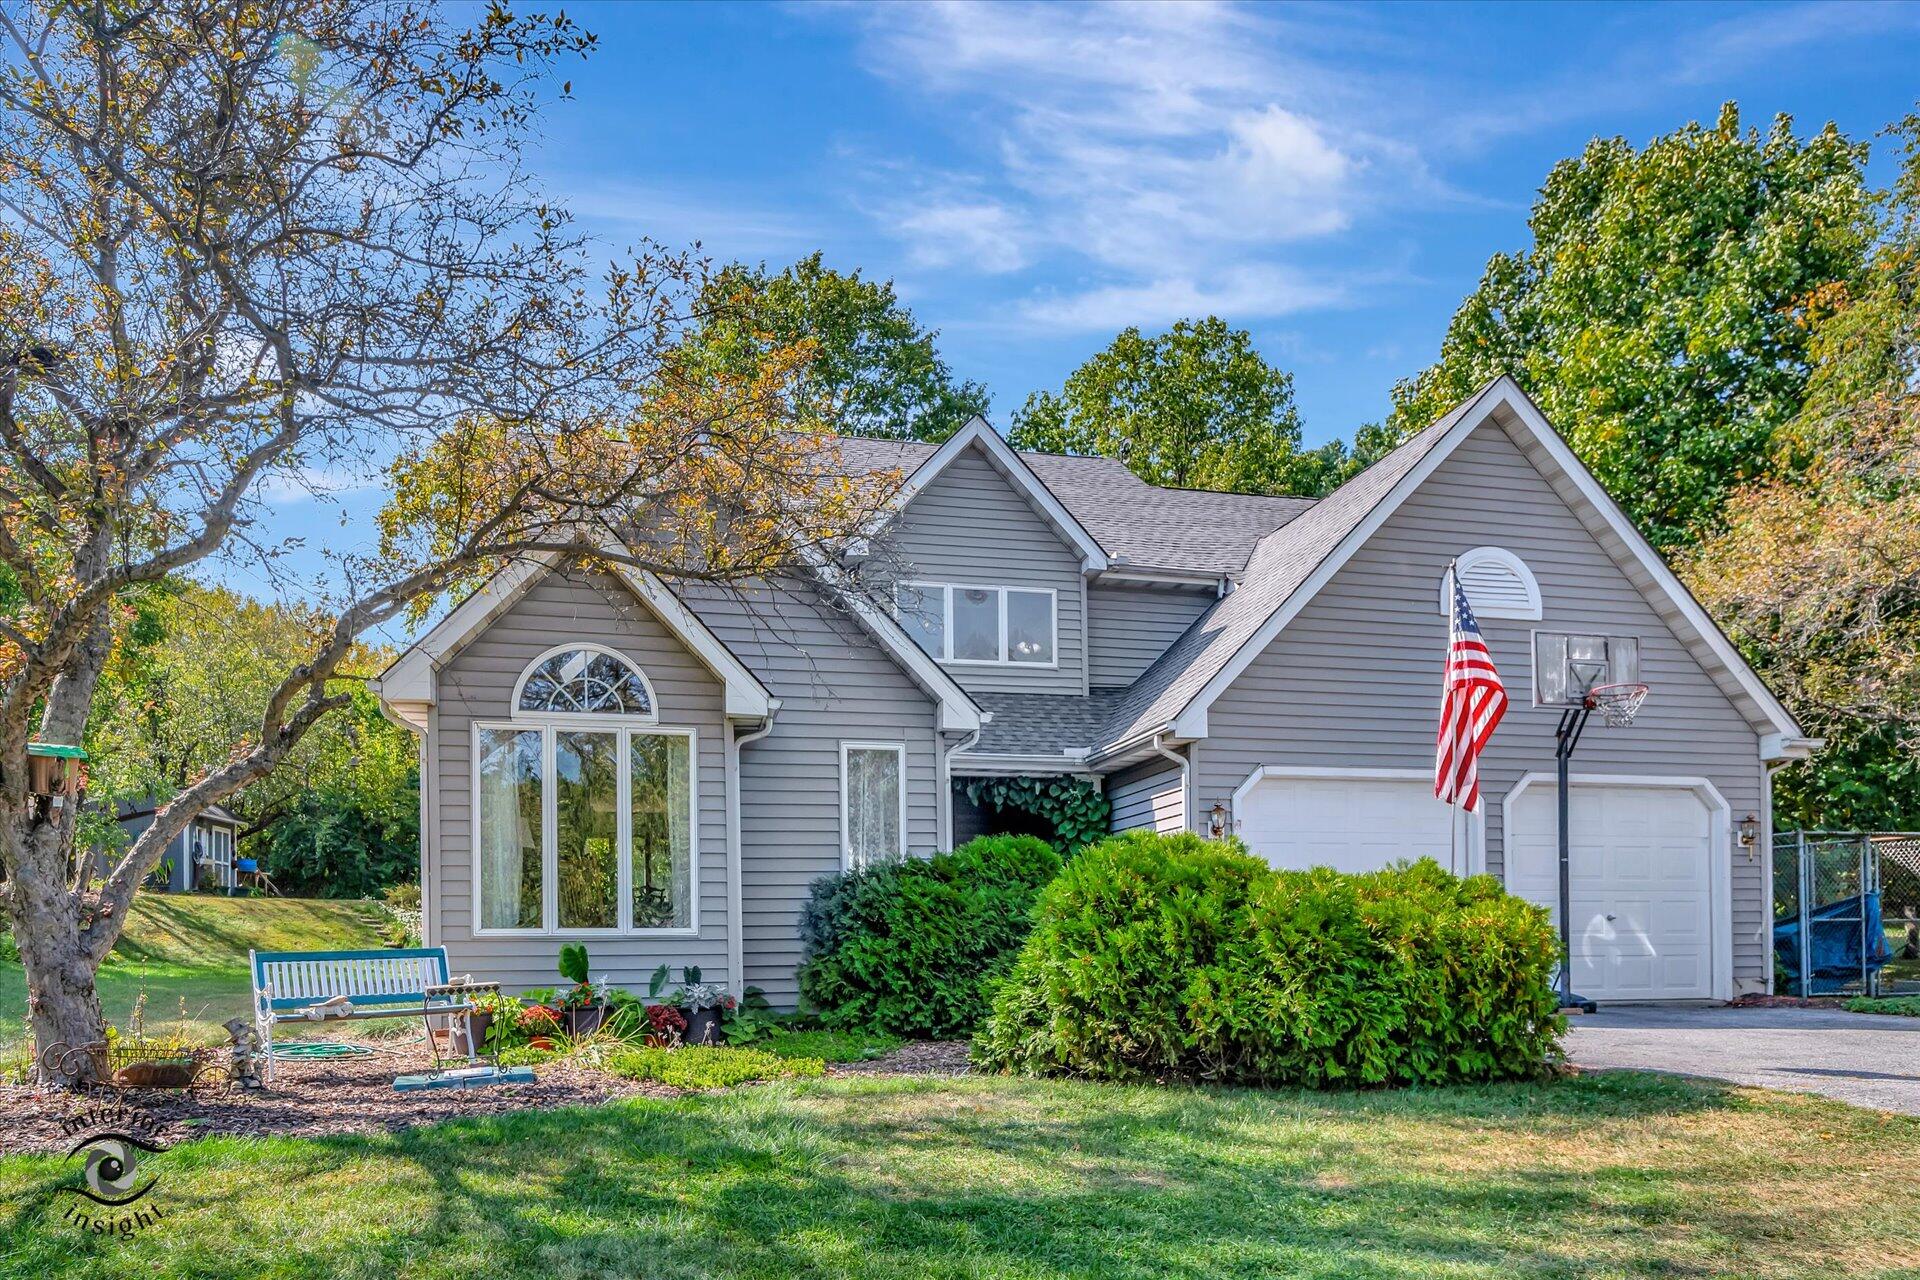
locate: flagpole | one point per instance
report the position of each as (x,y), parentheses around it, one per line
(1453,826)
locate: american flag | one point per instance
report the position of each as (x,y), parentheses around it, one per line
(1471,704)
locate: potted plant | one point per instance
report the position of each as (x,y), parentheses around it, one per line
(701,1003)
(583,1007)
(491,1009)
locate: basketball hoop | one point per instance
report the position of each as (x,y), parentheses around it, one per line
(1616,703)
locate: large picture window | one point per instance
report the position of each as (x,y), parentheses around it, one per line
(584,813)
(873,790)
(964,624)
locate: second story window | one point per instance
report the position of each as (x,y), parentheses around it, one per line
(960,623)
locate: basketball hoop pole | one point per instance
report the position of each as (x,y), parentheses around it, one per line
(1573,721)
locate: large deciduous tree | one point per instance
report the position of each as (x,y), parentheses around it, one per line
(1817,570)
(253,240)
(1196,407)
(874,371)
(1661,315)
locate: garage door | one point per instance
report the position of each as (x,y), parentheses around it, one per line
(1641,885)
(1350,824)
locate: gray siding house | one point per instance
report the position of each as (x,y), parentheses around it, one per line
(663,772)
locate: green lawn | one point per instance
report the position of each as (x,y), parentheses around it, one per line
(1605,1176)
(191,950)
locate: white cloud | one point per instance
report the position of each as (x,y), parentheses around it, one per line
(1254,291)
(1174,151)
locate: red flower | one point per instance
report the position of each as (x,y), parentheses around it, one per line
(538,1015)
(664,1017)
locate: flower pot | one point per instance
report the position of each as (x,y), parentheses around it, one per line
(479,1023)
(585,1021)
(703,1026)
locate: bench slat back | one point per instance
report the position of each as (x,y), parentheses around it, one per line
(297,979)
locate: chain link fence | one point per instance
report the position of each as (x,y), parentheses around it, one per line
(1846,912)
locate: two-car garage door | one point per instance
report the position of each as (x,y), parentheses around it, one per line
(1642,883)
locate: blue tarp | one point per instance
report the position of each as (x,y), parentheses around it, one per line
(1836,935)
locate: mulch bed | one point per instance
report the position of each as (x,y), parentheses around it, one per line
(309,1099)
(1786,1002)
(326,1097)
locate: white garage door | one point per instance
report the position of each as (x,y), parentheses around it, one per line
(1641,885)
(1350,824)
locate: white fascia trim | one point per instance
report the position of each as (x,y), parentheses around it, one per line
(1475,824)
(747,698)
(1123,574)
(993,764)
(1093,559)
(1781,748)
(1191,722)
(1719,847)
(410,679)
(958,712)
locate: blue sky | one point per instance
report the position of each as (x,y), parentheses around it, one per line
(1034,178)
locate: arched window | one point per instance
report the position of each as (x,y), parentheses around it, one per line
(1498,584)
(584,680)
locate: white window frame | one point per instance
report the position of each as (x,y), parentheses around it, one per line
(1532,611)
(946,590)
(626,727)
(650,716)
(899,750)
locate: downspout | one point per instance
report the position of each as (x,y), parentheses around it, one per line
(943,810)
(1767,770)
(1186,781)
(736,945)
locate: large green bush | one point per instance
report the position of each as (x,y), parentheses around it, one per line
(1156,956)
(910,947)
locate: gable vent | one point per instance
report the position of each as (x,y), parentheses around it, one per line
(1498,584)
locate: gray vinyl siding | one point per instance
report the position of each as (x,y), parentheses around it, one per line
(1353,681)
(1128,627)
(1149,798)
(971,526)
(835,685)
(477,684)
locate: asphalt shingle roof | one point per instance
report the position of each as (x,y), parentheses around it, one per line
(1041,724)
(1137,524)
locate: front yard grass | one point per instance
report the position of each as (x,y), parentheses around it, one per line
(1603,1176)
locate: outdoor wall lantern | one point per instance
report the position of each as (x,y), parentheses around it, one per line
(1217,819)
(1749,831)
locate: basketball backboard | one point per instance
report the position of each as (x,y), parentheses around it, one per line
(1568,664)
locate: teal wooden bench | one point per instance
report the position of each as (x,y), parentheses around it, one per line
(320,986)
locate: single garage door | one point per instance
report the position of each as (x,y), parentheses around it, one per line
(1641,885)
(1350,824)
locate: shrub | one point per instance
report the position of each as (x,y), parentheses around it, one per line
(1161,956)
(911,947)
(704,1067)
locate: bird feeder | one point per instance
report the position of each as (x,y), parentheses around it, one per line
(56,770)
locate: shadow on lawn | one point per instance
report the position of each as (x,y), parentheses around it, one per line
(1042,1180)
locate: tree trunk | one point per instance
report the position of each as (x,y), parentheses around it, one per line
(62,1005)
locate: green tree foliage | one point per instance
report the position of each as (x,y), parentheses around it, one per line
(339,819)
(1196,407)
(1661,317)
(1155,956)
(1817,571)
(874,371)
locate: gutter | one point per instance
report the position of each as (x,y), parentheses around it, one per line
(1186,780)
(943,824)
(736,945)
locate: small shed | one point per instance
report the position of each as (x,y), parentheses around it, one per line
(200,857)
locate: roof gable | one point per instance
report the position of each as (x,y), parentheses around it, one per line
(1003,458)
(1291,564)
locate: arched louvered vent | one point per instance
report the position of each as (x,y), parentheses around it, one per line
(1498,584)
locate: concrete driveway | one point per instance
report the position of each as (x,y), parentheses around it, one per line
(1870,1060)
